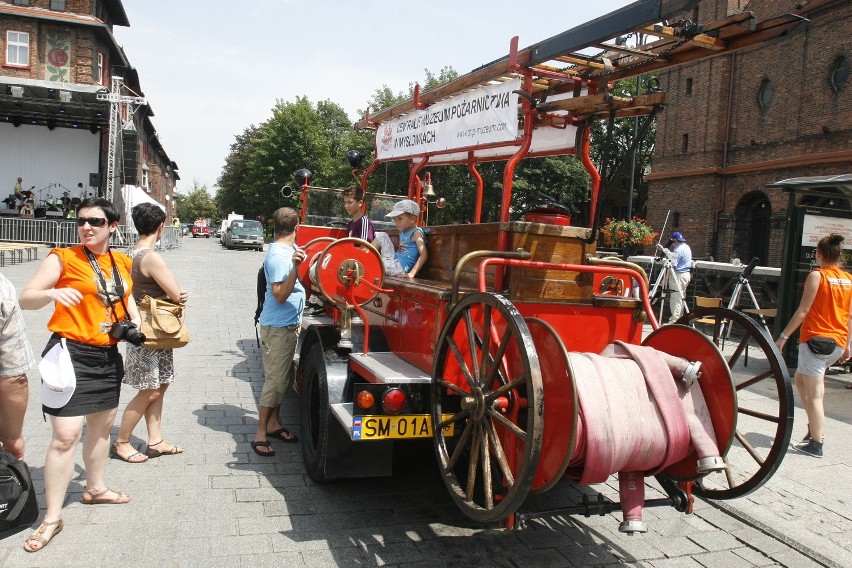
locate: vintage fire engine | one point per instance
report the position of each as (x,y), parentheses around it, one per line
(517,349)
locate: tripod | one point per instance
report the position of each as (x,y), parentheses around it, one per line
(742,282)
(667,275)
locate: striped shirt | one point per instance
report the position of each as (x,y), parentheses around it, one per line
(362,228)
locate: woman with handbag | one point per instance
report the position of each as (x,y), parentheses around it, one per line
(149,370)
(825,317)
(89,287)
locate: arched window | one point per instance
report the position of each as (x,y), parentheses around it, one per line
(839,75)
(829,198)
(764,94)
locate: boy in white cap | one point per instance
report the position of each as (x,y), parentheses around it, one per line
(411,255)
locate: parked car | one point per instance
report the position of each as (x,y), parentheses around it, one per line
(244,233)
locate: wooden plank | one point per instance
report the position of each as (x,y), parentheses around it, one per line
(602,102)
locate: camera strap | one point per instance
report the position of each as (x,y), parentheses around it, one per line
(116,278)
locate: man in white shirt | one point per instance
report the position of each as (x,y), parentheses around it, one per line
(681,258)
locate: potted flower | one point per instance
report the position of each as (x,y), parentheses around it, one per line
(627,234)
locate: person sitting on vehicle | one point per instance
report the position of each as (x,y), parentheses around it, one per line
(411,255)
(360,226)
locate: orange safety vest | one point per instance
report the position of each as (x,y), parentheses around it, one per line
(90,320)
(829,314)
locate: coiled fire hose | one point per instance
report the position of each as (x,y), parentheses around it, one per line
(641,411)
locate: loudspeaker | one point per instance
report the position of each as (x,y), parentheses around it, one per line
(131,157)
(94,179)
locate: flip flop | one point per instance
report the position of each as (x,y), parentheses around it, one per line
(256,445)
(279,435)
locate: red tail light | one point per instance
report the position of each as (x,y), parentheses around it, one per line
(393,401)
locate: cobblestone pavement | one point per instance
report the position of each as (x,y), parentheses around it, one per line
(221,505)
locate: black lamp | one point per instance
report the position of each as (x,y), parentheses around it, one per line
(302,177)
(355,158)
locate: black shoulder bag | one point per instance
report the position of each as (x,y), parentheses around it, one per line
(18,505)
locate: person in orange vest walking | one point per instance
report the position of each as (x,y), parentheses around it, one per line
(825,318)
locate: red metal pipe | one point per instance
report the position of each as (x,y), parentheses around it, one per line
(480,188)
(303,200)
(414,189)
(509,172)
(512,262)
(593,173)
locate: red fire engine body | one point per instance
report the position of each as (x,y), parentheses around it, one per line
(517,349)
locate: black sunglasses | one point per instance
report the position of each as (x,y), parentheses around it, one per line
(93,221)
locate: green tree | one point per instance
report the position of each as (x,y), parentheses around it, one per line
(614,201)
(198,204)
(236,170)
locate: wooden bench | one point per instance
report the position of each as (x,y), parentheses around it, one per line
(15,252)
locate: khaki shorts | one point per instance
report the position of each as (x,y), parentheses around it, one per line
(16,354)
(277,347)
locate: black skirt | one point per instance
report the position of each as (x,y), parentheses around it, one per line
(99,371)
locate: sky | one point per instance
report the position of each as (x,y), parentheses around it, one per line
(211,68)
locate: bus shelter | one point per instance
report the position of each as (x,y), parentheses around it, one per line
(818,205)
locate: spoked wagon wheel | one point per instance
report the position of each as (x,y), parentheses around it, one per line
(764,419)
(487,405)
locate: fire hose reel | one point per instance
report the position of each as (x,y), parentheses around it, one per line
(642,411)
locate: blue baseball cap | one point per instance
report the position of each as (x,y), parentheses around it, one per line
(678,237)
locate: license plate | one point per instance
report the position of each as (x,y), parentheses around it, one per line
(406,426)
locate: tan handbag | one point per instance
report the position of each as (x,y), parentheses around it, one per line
(163,323)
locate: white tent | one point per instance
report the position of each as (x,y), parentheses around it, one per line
(134,195)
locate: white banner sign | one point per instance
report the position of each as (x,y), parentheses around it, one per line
(816,227)
(482,116)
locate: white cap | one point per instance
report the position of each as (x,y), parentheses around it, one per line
(404,206)
(58,380)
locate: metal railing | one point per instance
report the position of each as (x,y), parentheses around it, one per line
(64,233)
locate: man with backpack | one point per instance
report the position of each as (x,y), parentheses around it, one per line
(280,321)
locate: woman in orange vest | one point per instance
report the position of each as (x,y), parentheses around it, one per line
(88,287)
(825,318)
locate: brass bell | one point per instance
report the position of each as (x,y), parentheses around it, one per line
(428,192)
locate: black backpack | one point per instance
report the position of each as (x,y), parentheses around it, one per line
(18,505)
(261,296)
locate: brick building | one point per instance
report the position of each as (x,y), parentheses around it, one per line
(59,58)
(735,123)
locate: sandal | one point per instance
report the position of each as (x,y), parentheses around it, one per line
(267,452)
(152,453)
(95,497)
(280,435)
(39,538)
(135,457)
